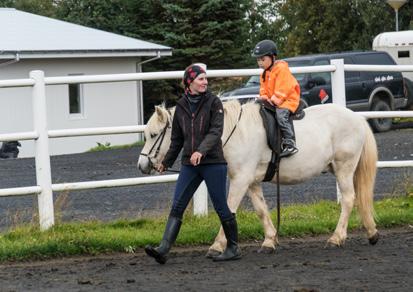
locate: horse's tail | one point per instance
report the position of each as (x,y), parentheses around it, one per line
(364,179)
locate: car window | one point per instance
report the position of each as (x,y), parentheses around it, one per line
(253,81)
(325,75)
(374,59)
(350,74)
(299,63)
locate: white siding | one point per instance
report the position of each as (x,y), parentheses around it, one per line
(105,104)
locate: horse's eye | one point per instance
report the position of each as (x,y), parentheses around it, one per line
(153,135)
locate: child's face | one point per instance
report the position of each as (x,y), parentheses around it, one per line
(264,62)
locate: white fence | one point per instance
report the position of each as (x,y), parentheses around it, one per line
(44,188)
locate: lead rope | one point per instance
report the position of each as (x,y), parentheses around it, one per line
(233,130)
(278,181)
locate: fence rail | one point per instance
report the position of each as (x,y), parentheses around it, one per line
(41,134)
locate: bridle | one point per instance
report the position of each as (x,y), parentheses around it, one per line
(159,139)
(156,147)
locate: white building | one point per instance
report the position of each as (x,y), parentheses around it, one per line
(32,42)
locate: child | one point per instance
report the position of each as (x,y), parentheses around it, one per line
(279,87)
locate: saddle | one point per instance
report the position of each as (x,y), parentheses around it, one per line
(269,119)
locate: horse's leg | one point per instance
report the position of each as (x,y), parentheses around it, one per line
(237,189)
(258,201)
(344,175)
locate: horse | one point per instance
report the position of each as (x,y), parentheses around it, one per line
(330,138)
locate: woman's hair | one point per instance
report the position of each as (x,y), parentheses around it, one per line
(192,72)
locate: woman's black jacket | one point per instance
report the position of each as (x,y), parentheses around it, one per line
(199,131)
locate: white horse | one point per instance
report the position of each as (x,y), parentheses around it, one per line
(329,138)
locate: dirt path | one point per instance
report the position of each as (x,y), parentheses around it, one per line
(298,265)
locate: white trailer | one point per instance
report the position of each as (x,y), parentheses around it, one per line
(399,44)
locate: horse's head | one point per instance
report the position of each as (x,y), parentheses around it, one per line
(157,139)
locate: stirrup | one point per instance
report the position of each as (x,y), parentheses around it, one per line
(288,151)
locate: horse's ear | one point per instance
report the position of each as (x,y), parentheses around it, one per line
(161,115)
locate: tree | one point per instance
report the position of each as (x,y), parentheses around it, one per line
(42,7)
(315,26)
(208,31)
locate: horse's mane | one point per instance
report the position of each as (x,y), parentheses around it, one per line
(232,110)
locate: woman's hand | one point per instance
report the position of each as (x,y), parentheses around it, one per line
(196,158)
(160,168)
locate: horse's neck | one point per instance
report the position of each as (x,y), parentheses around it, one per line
(245,117)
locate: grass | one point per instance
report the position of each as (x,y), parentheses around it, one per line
(107,146)
(65,239)
(402,120)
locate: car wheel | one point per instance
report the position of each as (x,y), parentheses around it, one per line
(381,125)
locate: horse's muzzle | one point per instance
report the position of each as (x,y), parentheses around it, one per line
(145,165)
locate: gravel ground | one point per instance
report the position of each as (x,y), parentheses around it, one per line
(298,265)
(147,200)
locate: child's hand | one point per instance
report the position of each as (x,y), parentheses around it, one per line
(263,97)
(275,100)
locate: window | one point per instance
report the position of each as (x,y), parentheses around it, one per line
(377,58)
(403,54)
(350,74)
(299,63)
(75,98)
(325,75)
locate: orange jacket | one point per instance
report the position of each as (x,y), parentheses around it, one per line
(279,82)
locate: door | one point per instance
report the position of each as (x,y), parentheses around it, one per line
(319,93)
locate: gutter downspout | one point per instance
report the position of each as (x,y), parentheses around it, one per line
(15,60)
(140,90)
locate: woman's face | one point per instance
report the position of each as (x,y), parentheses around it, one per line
(199,85)
(264,62)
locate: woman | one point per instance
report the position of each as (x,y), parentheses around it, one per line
(197,128)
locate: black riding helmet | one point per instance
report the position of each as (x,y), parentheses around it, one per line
(264,48)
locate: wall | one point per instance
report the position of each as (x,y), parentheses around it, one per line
(105,104)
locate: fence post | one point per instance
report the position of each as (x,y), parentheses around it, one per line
(338,89)
(201,200)
(42,156)
(338,86)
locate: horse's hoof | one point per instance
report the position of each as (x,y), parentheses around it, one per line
(212,253)
(373,240)
(333,244)
(266,250)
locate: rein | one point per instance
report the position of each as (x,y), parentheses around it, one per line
(233,130)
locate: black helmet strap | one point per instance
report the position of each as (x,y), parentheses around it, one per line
(269,68)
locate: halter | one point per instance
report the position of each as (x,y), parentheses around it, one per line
(160,140)
(233,130)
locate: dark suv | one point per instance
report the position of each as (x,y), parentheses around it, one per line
(374,91)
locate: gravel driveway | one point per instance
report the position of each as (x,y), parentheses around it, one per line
(147,200)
